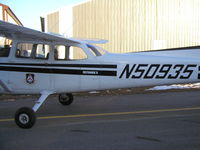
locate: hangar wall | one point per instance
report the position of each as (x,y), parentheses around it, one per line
(136,25)
(53,22)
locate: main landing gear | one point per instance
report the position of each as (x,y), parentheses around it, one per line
(25,117)
(66,99)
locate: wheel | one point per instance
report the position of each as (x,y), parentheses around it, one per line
(66,99)
(25,117)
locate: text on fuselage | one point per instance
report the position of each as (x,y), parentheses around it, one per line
(158,71)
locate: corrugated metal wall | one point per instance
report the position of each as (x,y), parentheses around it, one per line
(53,22)
(138,25)
(134,25)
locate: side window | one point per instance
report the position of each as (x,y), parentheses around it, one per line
(24,50)
(42,51)
(5,46)
(63,52)
(34,51)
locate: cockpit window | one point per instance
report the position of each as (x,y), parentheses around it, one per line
(5,46)
(34,51)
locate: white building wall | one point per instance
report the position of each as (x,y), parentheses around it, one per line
(11,20)
(66,22)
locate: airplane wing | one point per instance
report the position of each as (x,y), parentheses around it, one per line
(13,31)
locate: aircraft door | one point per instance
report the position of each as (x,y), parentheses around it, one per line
(30,72)
(68,78)
(5,49)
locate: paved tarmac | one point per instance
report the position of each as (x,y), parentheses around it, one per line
(155,121)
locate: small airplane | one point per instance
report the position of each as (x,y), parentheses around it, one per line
(33,62)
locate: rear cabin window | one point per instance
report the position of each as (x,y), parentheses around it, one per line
(34,51)
(63,52)
(5,46)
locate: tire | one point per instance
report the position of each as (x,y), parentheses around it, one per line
(66,99)
(25,117)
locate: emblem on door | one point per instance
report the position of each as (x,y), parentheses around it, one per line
(30,78)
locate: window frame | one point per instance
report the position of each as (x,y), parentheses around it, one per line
(33,54)
(69,51)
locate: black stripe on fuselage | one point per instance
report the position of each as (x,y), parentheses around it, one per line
(108,66)
(59,71)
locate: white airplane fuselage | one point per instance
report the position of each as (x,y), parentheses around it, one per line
(109,71)
(19,75)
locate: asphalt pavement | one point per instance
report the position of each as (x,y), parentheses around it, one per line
(153,121)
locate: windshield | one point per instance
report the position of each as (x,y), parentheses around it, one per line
(96,50)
